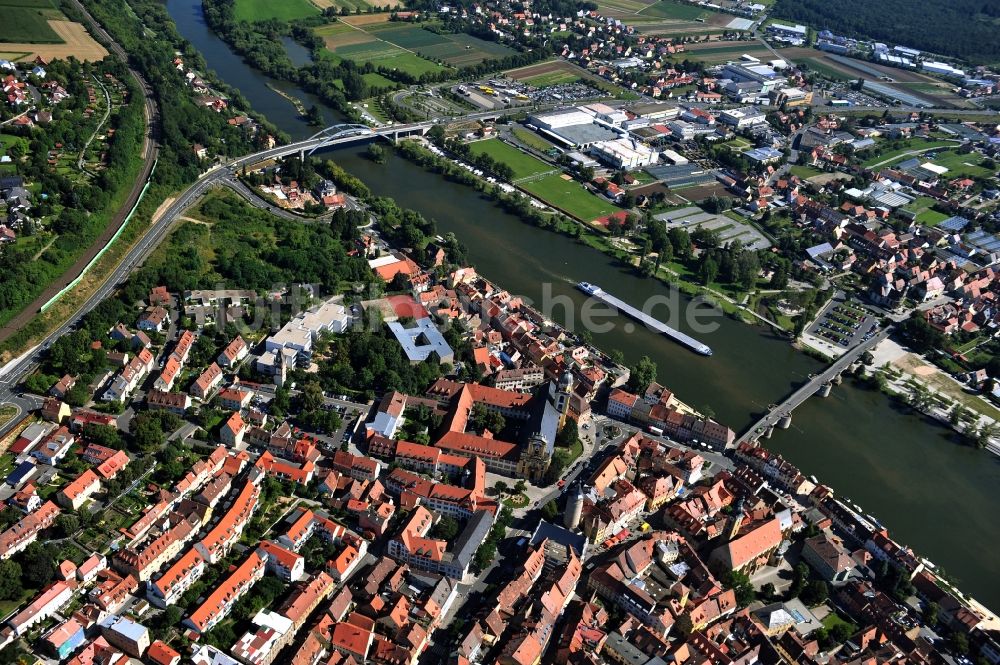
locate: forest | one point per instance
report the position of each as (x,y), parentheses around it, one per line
(957,28)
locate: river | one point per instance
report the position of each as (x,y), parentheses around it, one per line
(933,494)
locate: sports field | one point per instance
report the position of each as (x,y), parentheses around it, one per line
(551,78)
(961,165)
(524,165)
(529,138)
(569,196)
(285,10)
(911,147)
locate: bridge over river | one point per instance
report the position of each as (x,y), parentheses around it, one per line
(780,415)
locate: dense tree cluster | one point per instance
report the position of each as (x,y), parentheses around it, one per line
(75,207)
(147,32)
(958,28)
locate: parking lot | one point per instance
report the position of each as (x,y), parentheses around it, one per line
(843,324)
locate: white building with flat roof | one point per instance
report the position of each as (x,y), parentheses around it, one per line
(420,340)
(743,117)
(299,334)
(790,34)
(624,154)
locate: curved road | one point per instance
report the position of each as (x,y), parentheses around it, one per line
(150,151)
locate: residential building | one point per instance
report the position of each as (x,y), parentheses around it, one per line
(234,352)
(828,557)
(229,528)
(26,530)
(413,547)
(285,564)
(110,467)
(235,398)
(221,600)
(64,638)
(233,430)
(51,599)
(54,447)
(127,635)
(160,653)
(178,578)
(207,382)
(76,493)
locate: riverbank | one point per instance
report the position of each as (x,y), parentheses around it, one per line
(537,213)
(925,388)
(862,443)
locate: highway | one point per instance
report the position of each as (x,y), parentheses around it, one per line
(809,389)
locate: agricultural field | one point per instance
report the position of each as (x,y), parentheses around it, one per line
(822,67)
(457,50)
(523,164)
(351,5)
(609,7)
(670,17)
(286,10)
(409,47)
(567,195)
(72,40)
(382,54)
(714,53)
(678,11)
(366,19)
(27,22)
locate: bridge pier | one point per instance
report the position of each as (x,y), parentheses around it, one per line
(838,379)
(785,421)
(769,431)
(824,390)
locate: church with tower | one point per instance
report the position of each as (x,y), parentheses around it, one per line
(526,445)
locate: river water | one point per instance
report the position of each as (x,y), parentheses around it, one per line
(938,496)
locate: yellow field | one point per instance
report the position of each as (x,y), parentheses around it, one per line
(367,19)
(78,43)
